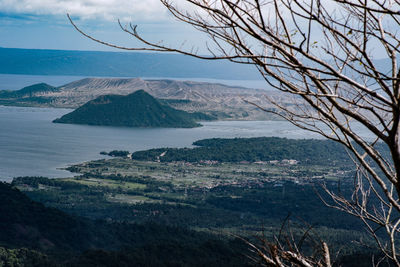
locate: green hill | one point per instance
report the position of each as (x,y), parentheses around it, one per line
(138,109)
(29,91)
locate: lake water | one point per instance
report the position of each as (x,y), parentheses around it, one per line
(30,144)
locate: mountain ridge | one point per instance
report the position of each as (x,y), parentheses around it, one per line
(215,99)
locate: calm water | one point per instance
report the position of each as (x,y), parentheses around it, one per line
(31,144)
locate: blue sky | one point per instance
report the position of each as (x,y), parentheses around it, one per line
(43,24)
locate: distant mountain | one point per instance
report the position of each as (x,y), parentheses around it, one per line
(77,93)
(138,109)
(34,95)
(218,100)
(118,64)
(29,91)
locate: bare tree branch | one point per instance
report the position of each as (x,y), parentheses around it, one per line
(323,53)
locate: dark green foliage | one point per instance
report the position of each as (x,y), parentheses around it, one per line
(138,109)
(25,223)
(363,260)
(118,153)
(215,208)
(223,207)
(301,201)
(170,253)
(324,152)
(30,224)
(23,258)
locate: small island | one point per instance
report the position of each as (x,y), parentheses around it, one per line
(138,109)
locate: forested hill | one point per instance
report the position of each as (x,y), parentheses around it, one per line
(138,109)
(323,152)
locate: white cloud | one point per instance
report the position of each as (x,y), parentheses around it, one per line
(101,9)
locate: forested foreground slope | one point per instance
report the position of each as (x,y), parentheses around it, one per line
(34,235)
(165,210)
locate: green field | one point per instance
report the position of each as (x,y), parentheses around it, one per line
(113,184)
(203,175)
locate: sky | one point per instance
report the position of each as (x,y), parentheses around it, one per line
(43,24)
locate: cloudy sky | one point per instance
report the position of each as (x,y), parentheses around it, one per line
(43,23)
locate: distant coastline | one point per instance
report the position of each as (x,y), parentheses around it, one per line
(117,64)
